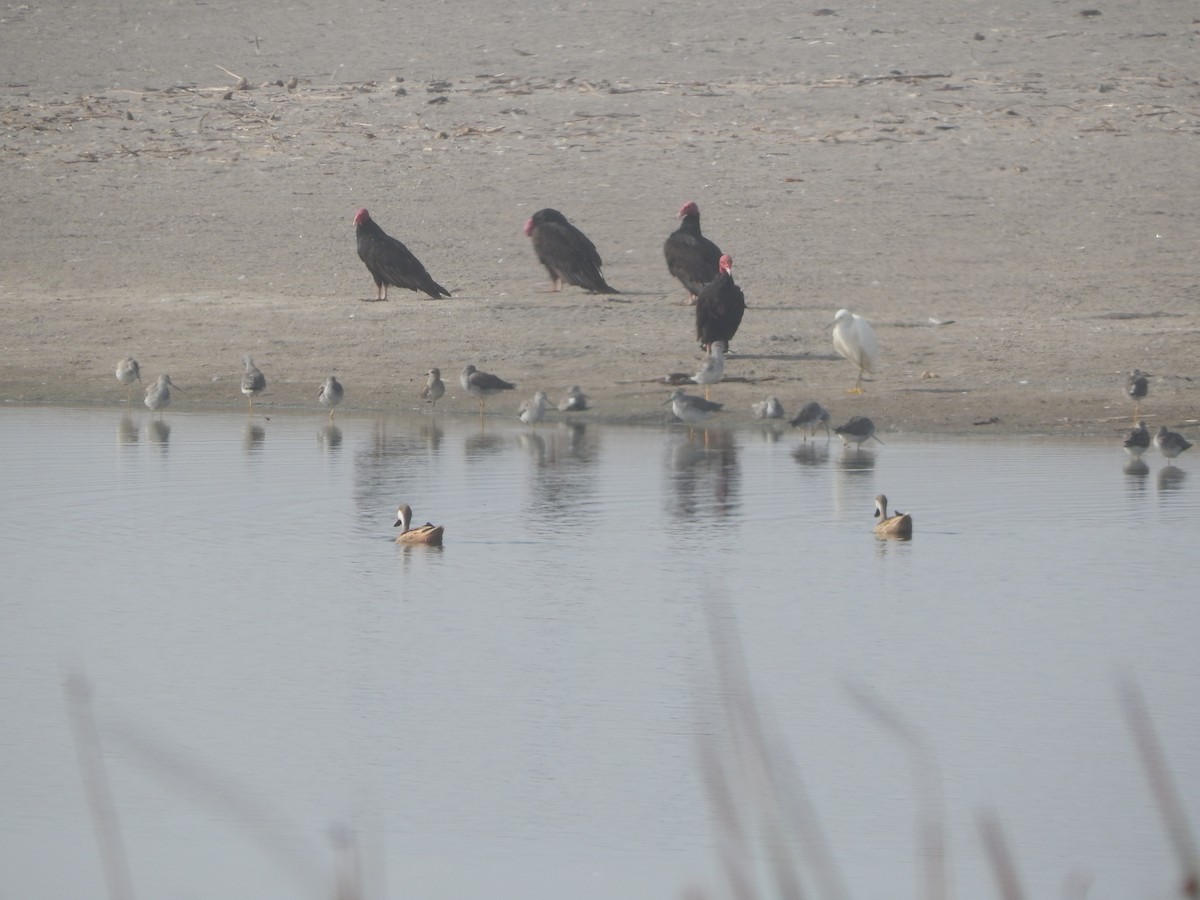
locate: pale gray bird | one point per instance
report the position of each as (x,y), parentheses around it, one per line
(434,387)
(691,409)
(253,381)
(770,408)
(1170,443)
(482,385)
(331,394)
(533,411)
(158,395)
(128,372)
(1137,440)
(713,369)
(1137,387)
(575,401)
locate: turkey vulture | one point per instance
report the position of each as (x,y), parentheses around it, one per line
(719,307)
(691,257)
(566,252)
(390,262)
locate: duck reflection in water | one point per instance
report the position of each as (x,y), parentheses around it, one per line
(1171,478)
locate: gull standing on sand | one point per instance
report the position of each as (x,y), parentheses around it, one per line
(128,372)
(854,338)
(434,387)
(533,411)
(1170,443)
(770,408)
(575,400)
(691,409)
(253,381)
(330,394)
(1137,440)
(1137,387)
(482,385)
(713,369)
(810,416)
(158,395)
(858,430)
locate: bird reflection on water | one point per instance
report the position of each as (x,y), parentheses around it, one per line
(705,476)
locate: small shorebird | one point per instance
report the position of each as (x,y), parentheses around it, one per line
(253,381)
(434,387)
(770,408)
(422,534)
(533,411)
(128,372)
(482,385)
(575,401)
(1137,440)
(331,394)
(691,409)
(1137,387)
(854,338)
(158,395)
(713,369)
(1170,443)
(858,430)
(810,416)
(898,525)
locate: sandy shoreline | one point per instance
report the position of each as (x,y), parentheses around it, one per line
(1031,179)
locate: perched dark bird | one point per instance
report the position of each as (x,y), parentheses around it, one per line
(691,257)
(1137,387)
(566,252)
(1170,443)
(720,306)
(1137,441)
(390,262)
(482,385)
(858,430)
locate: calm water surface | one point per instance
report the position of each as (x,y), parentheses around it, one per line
(517,714)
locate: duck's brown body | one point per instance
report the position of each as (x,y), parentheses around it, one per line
(897,526)
(422,534)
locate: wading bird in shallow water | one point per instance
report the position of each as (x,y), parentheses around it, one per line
(533,411)
(691,257)
(566,252)
(810,416)
(254,382)
(720,306)
(331,394)
(854,338)
(1137,387)
(770,408)
(434,387)
(422,534)
(1137,441)
(482,385)
(1170,443)
(128,372)
(158,395)
(691,409)
(858,430)
(898,525)
(390,262)
(575,400)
